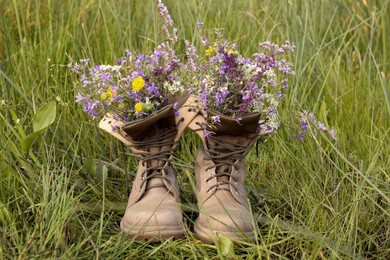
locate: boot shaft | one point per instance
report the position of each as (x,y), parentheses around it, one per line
(220,164)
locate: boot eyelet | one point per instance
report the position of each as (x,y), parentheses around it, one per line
(236,182)
(209,190)
(238,193)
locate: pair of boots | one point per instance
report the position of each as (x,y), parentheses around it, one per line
(153,211)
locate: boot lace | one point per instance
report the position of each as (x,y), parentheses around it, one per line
(225,156)
(162,157)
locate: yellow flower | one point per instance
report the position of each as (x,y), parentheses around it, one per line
(138,83)
(138,107)
(110,92)
(230,51)
(209,51)
(121,106)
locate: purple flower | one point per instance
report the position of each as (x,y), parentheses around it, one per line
(300,137)
(304,126)
(153,90)
(105,77)
(75,68)
(221,96)
(322,126)
(281,95)
(216,119)
(79,98)
(199,24)
(207,133)
(271,111)
(313,117)
(333,134)
(129,54)
(90,108)
(204,40)
(176,108)
(85,61)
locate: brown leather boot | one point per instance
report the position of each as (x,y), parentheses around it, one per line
(220,175)
(153,210)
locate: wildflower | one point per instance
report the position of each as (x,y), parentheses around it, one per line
(121,106)
(79,98)
(207,133)
(85,61)
(204,40)
(230,51)
(216,119)
(332,133)
(110,92)
(105,77)
(322,126)
(199,24)
(300,137)
(75,68)
(138,107)
(138,83)
(210,50)
(173,88)
(176,109)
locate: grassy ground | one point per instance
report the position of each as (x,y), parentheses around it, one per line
(310,200)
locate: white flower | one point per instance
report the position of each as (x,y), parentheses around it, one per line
(273,121)
(251,70)
(270,74)
(109,68)
(173,88)
(256,106)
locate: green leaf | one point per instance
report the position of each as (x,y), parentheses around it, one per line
(27,142)
(44,116)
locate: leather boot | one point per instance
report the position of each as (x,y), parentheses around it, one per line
(153,211)
(220,170)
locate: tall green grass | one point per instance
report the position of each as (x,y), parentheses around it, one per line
(312,199)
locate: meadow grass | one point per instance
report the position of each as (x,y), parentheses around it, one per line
(312,200)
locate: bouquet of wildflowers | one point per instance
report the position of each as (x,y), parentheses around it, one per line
(234,85)
(139,83)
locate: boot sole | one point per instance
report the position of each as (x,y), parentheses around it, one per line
(156,233)
(210,236)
